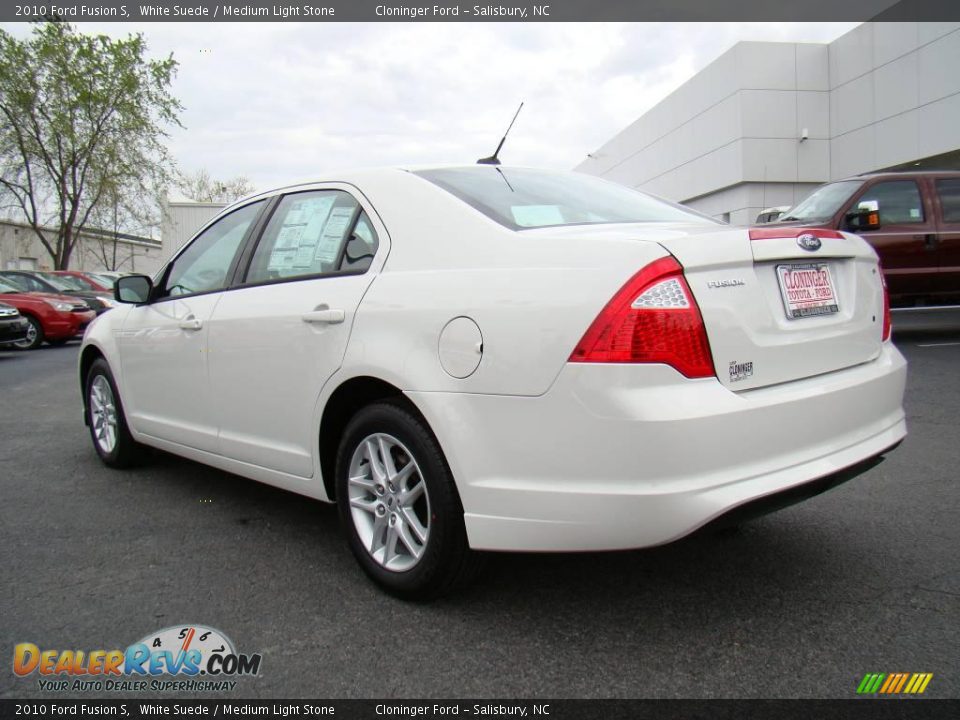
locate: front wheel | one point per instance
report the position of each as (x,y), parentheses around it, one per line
(34,338)
(108,426)
(399,504)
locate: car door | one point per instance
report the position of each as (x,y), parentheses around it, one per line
(947,197)
(906,239)
(279,336)
(164,343)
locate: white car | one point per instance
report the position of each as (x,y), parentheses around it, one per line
(494,358)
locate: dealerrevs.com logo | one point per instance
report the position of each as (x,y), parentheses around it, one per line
(182,658)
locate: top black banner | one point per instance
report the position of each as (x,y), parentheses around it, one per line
(496,11)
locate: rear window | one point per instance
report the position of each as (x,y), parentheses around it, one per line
(524,198)
(949,192)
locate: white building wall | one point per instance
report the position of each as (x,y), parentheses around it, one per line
(767,122)
(181,220)
(20,248)
(894,95)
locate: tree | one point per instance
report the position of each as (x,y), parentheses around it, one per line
(200,187)
(122,212)
(80,116)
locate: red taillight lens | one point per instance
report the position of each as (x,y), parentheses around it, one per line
(887,320)
(652,319)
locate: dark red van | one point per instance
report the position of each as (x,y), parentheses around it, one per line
(911,218)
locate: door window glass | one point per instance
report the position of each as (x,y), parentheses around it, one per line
(361,246)
(898,201)
(306,236)
(204,265)
(949,192)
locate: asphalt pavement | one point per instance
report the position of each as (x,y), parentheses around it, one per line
(801,603)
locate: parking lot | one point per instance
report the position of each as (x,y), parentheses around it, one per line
(802,603)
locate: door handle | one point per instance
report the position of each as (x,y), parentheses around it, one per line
(324,314)
(930,241)
(191,323)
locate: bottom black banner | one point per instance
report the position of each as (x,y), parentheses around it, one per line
(892,709)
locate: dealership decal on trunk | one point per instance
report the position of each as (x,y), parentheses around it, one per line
(740,370)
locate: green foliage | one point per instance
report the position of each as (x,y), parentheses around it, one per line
(82,118)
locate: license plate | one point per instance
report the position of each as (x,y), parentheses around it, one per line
(807,290)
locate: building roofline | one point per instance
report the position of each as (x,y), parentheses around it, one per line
(92,233)
(191,203)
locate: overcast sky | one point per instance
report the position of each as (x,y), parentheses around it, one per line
(278,101)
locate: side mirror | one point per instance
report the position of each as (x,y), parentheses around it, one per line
(864,218)
(133,289)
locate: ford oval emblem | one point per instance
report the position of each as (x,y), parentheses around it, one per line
(809,242)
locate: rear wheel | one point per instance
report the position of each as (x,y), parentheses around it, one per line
(34,338)
(399,504)
(108,426)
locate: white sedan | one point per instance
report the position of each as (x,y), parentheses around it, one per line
(493,358)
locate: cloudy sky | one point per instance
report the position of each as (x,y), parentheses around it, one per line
(278,101)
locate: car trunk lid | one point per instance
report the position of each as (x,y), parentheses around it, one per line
(777,311)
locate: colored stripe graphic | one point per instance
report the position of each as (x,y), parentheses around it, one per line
(891,681)
(894,683)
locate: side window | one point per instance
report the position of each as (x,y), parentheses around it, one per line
(204,265)
(361,246)
(898,201)
(307,234)
(949,192)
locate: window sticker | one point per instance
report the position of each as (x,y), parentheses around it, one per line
(536,215)
(333,231)
(297,241)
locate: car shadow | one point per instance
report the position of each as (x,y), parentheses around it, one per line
(755,564)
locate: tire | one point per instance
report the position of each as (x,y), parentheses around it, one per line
(34,337)
(117,449)
(374,515)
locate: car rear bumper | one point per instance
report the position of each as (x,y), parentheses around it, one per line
(628,456)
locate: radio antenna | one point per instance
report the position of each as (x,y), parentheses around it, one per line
(493,159)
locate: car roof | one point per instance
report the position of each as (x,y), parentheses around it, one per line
(356,175)
(903,173)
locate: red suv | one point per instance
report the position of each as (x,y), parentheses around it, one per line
(54,318)
(912,219)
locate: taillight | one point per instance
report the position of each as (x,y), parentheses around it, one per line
(887,320)
(653,318)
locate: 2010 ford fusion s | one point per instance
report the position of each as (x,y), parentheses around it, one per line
(494,358)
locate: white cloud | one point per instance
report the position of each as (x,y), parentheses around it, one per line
(277,101)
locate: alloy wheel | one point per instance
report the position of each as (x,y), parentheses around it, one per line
(389,502)
(103,414)
(29,340)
